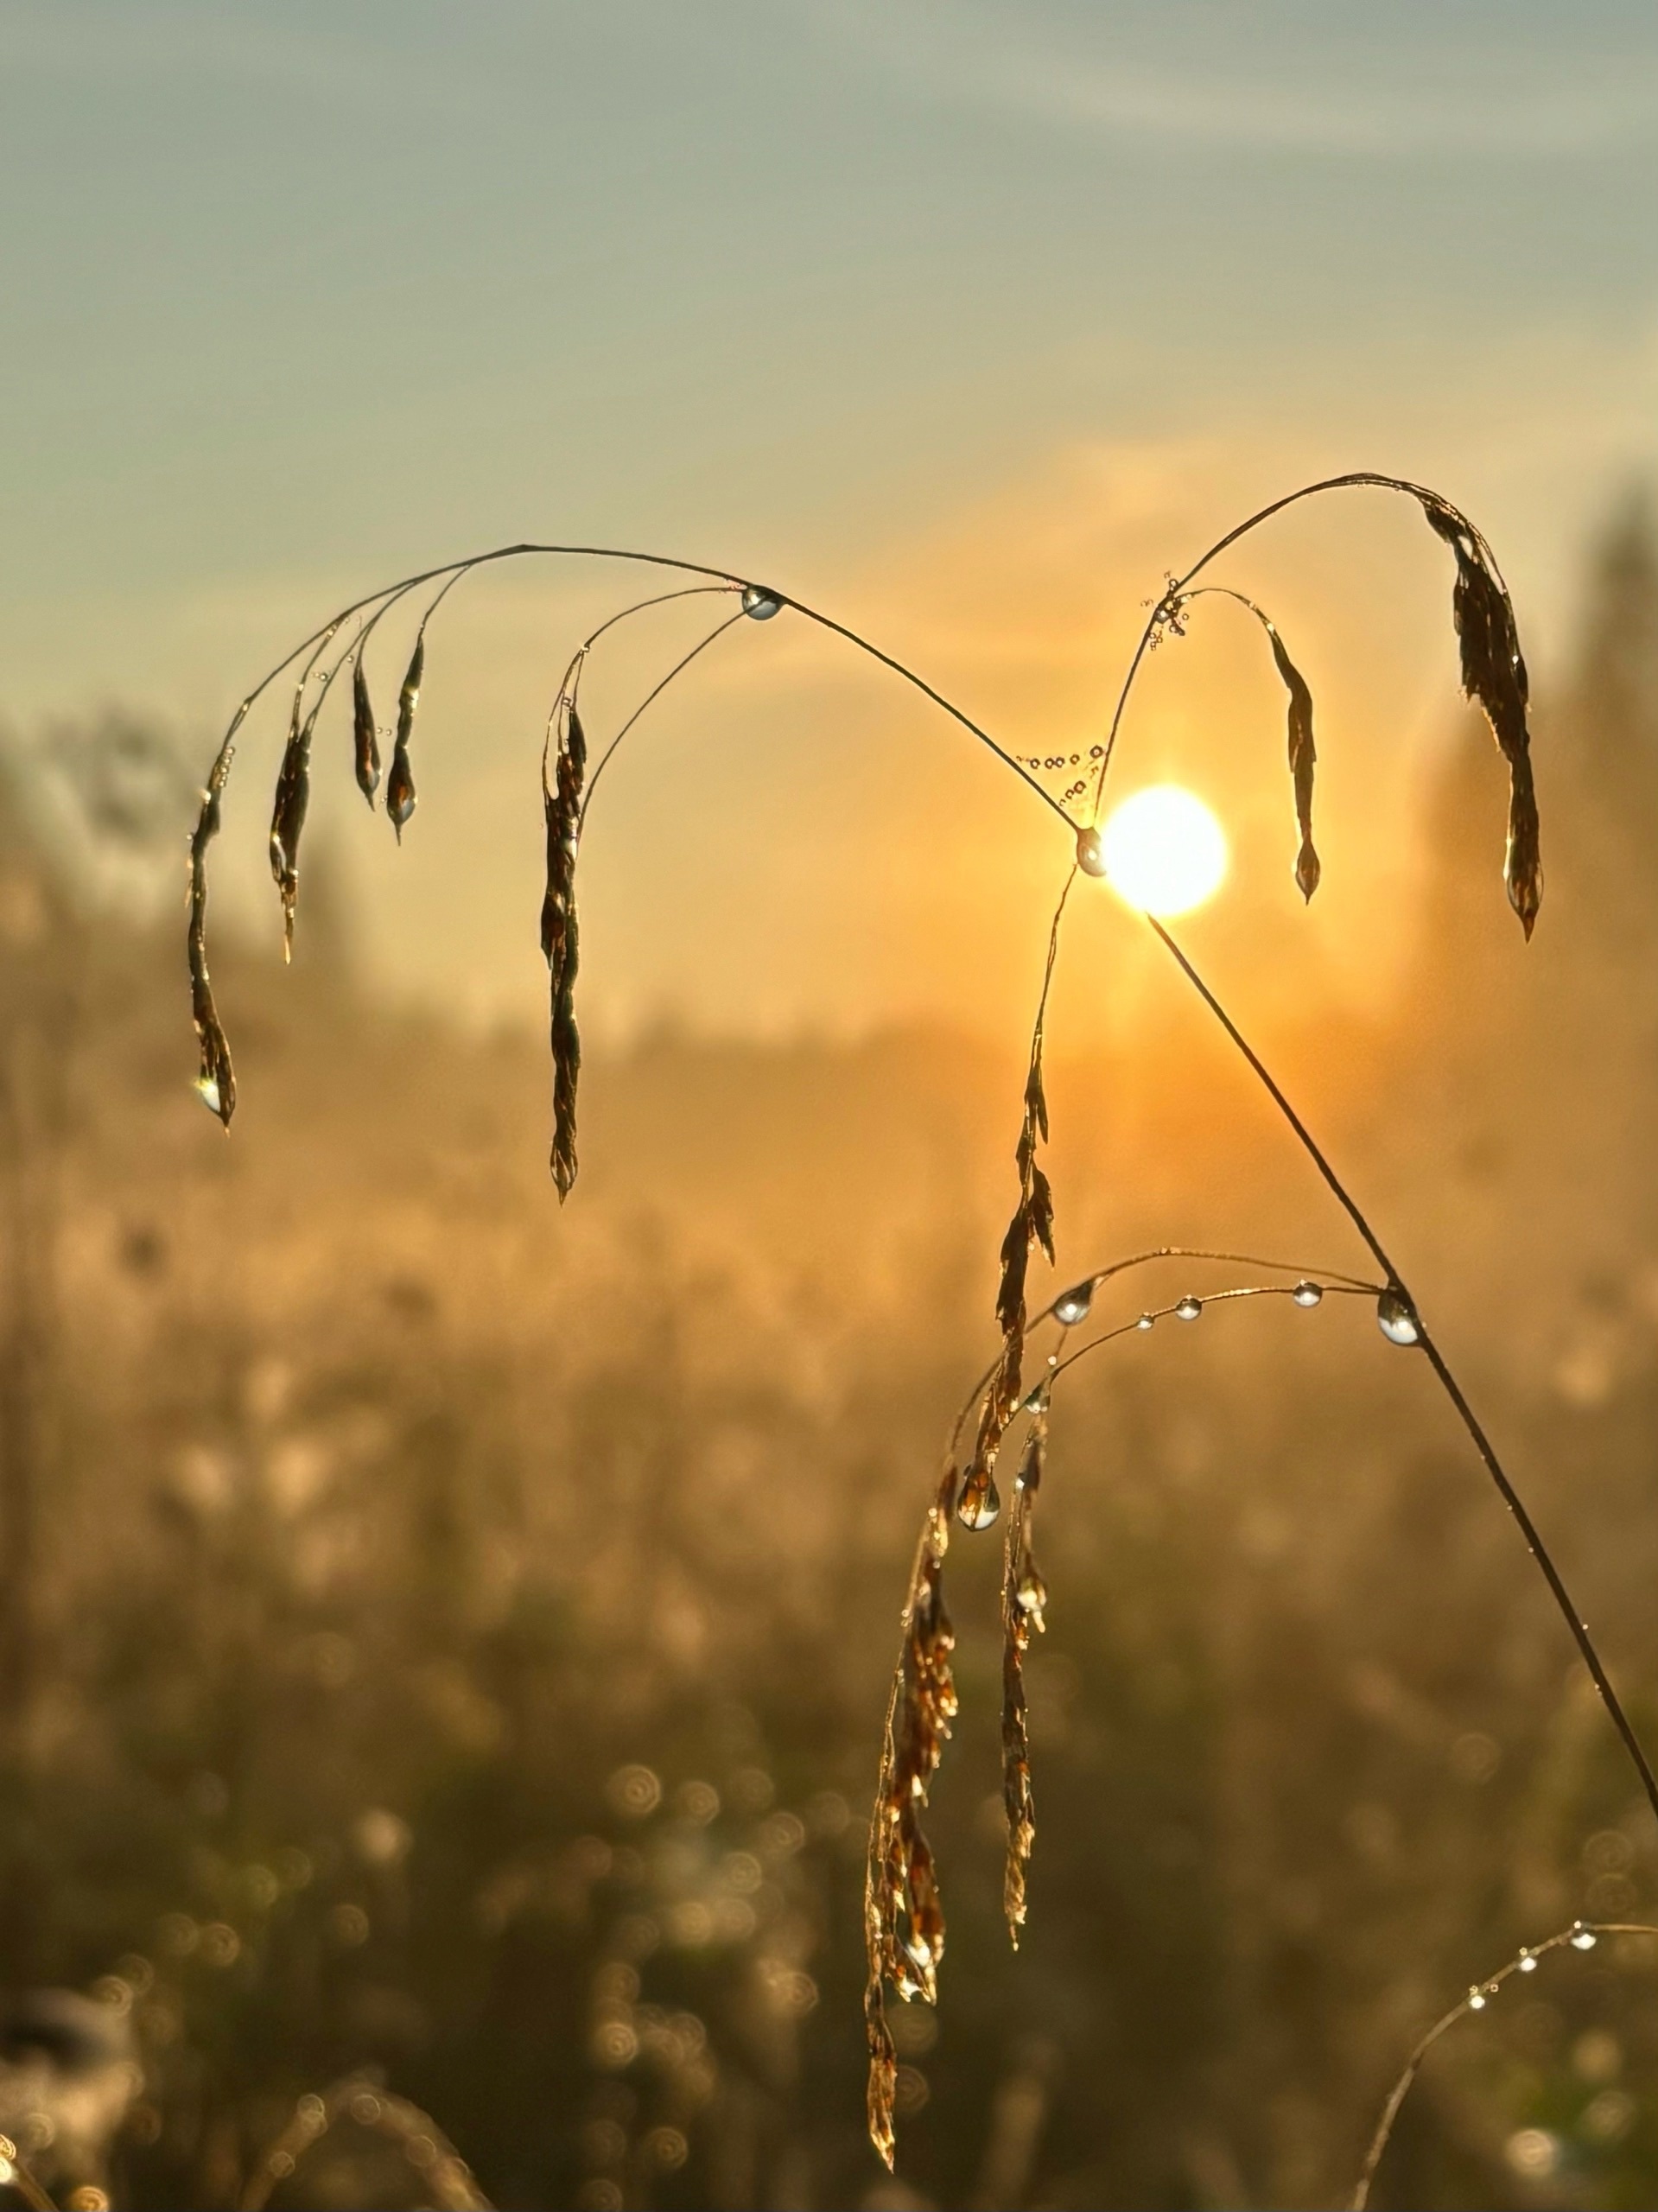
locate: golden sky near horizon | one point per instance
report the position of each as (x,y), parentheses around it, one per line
(964,323)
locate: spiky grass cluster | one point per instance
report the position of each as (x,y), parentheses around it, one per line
(904,1919)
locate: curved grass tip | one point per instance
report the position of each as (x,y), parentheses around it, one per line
(1494,674)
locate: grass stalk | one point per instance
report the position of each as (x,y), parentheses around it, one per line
(1453,1390)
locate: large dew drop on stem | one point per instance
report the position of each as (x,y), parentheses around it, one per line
(760,604)
(1071,1306)
(1090,850)
(1396,1318)
(1307,1293)
(1189,1308)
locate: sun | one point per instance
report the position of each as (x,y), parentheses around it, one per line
(1164,851)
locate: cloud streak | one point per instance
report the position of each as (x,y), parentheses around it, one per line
(1299,85)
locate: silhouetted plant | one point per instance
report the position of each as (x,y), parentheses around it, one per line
(905,1926)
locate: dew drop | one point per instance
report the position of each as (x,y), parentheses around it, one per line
(1476,2000)
(980,1502)
(1146,1321)
(1307,1293)
(1582,1939)
(1032,1592)
(1071,1306)
(1527,1964)
(1090,851)
(1396,1318)
(760,604)
(207,1091)
(1189,1308)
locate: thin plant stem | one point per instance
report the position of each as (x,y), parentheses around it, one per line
(1448,1382)
(1338,1189)
(570,682)
(1360,479)
(1209,1298)
(650,696)
(1524,1961)
(727,576)
(1328,1278)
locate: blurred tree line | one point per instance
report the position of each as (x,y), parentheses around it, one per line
(445,1641)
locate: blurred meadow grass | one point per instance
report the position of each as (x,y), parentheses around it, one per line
(445,1638)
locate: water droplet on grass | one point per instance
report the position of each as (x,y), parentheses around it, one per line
(1071,1306)
(1396,1318)
(1307,1293)
(1189,1308)
(981,1502)
(760,604)
(1090,852)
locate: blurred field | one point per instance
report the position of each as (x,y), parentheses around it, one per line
(448,1635)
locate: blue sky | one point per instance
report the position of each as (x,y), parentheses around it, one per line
(297,296)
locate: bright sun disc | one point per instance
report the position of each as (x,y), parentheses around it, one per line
(1164,850)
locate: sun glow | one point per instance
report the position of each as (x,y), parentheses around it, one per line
(1164,850)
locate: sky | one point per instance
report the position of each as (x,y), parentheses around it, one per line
(966,322)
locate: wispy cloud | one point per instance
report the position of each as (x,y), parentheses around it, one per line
(1325,81)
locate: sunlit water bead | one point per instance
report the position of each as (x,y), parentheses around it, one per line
(1396,1318)
(981,1502)
(1071,1306)
(1477,1998)
(1090,850)
(207,1091)
(1146,1321)
(1582,1939)
(760,604)
(1307,1293)
(1032,1593)
(1526,1962)
(1188,1308)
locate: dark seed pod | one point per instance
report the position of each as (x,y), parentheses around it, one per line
(216,1082)
(1303,754)
(365,738)
(287,820)
(560,935)
(1041,1211)
(1036,1098)
(1023,1597)
(400,778)
(400,791)
(1494,673)
(904,1918)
